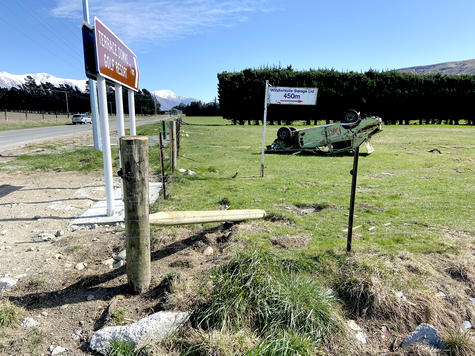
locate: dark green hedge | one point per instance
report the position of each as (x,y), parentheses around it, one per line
(394,96)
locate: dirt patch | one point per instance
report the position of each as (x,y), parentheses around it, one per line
(291,241)
(41,250)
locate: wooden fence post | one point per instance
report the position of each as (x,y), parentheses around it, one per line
(175,145)
(134,156)
(171,147)
(6,118)
(160,143)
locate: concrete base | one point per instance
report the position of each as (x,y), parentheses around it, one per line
(97,214)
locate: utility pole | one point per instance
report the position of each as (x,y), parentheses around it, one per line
(67,104)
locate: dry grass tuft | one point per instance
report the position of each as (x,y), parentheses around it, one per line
(212,342)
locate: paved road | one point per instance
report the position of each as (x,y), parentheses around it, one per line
(16,138)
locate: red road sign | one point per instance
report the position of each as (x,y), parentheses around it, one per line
(115,61)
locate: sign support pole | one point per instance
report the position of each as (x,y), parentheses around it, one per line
(119,108)
(354,173)
(106,148)
(96,130)
(131,98)
(264,128)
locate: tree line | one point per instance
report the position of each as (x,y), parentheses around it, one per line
(395,97)
(46,97)
(198,108)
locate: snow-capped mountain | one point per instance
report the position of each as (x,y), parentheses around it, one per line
(169,99)
(8,80)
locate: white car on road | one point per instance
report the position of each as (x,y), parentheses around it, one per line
(81,119)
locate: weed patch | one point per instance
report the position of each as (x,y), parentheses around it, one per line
(9,313)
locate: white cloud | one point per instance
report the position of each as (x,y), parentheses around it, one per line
(141,20)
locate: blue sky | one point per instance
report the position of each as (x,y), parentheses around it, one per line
(182,45)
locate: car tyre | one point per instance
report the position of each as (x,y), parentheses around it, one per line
(350,116)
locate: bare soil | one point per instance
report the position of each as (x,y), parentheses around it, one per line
(70,304)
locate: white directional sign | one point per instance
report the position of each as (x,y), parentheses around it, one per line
(293,96)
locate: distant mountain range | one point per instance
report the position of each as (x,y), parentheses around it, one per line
(169,99)
(8,80)
(457,67)
(166,98)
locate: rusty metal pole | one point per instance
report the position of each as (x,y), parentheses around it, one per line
(162,165)
(354,173)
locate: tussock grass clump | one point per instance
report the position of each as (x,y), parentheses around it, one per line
(287,344)
(267,295)
(213,342)
(459,343)
(10,314)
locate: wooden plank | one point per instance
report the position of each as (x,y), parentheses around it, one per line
(199,217)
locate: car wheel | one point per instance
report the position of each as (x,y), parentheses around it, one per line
(284,133)
(350,116)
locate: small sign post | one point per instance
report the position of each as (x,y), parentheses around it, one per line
(285,96)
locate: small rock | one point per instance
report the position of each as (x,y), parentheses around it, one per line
(153,328)
(122,255)
(30,249)
(23,275)
(360,336)
(58,256)
(6,283)
(80,266)
(44,314)
(59,233)
(472,299)
(81,323)
(74,228)
(90,297)
(3,232)
(400,294)
(190,172)
(119,264)
(58,350)
(424,334)
(8,247)
(30,323)
(353,326)
(77,334)
(467,324)
(208,251)
(440,294)
(109,262)
(44,236)
(68,265)
(64,306)
(181,170)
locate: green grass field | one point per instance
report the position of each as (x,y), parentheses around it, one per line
(410,197)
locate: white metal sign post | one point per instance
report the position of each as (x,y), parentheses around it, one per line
(130,96)
(266,103)
(96,131)
(285,96)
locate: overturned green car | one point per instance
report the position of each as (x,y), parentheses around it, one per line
(343,136)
